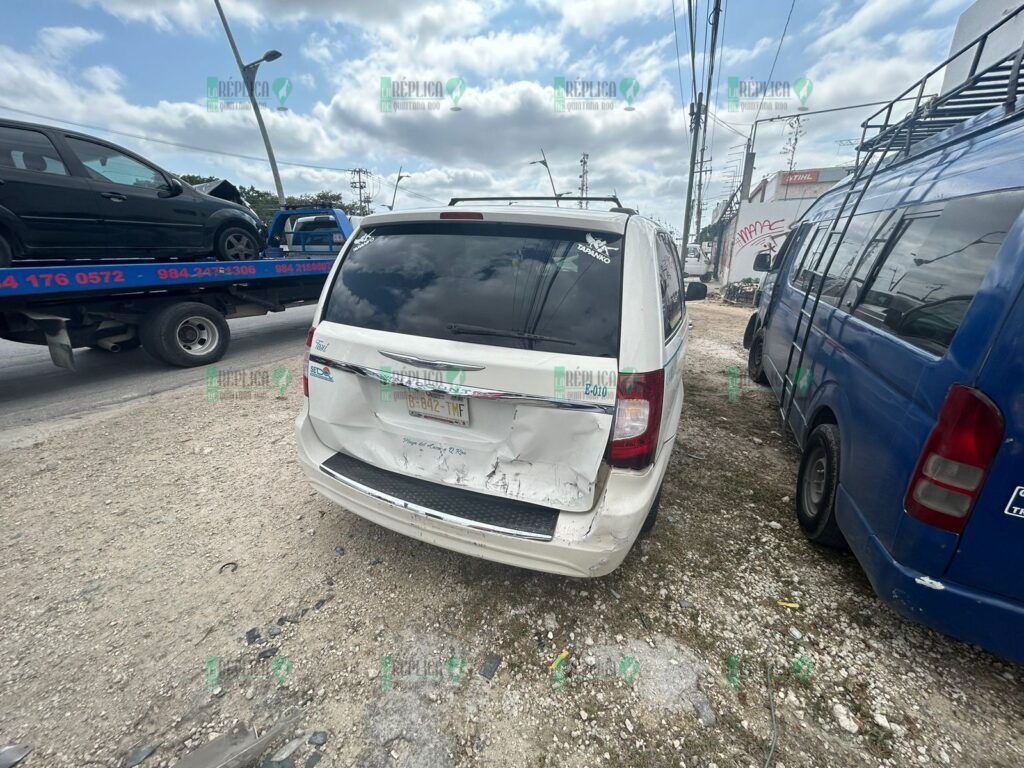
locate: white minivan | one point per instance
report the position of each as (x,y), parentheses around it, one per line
(503,381)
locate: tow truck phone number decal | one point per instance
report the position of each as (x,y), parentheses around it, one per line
(63,279)
(310,267)
(182,273)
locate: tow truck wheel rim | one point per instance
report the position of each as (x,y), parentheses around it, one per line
(239,246)
(197,335)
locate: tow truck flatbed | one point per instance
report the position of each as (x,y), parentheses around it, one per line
(176,310)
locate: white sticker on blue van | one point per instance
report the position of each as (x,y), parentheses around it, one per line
(1016,506)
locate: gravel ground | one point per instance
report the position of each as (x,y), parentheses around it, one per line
(167,573)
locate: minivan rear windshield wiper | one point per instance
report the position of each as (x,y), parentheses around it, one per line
(478,330)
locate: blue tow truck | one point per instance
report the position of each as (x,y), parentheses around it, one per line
(176,310)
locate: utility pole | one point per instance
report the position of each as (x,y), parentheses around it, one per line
(715,15)
(359,186)
(394,195)
(584,187)
(248,72)
(699,121)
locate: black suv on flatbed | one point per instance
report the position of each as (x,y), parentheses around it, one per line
(65,195)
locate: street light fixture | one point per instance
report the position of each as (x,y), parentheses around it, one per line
(395,193)
(544,161)
(248,72)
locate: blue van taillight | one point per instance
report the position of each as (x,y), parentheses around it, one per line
(305,361)
(637,420)
(956,458)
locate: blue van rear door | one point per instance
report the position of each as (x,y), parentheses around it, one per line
(991,552)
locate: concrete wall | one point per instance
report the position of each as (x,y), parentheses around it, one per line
(759,227)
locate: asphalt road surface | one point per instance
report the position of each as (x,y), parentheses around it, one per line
(33,390)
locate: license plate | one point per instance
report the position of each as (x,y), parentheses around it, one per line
(448,408)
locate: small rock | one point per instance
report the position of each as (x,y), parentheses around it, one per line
(795,633)
(845,718)
(251,636)
(139,754)
(775,524)
(583,714)
(51,466)
(318,739)
(268,652)
(274,631)
(629,725)
(339,549)
(881,720)
(313,759)
(758,441)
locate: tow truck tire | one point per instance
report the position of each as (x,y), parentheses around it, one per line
(236,244)
(755,359)
(5,253)
(186,334)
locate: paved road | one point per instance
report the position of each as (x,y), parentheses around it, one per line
(33,390)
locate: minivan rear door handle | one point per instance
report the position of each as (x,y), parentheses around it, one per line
(117,197)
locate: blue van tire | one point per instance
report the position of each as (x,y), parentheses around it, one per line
(816,488)
(755,359)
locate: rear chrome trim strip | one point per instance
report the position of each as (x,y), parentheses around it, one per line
(394,501)
(434,365)
(391,379)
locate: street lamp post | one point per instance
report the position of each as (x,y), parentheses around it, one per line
(394,195)
(544,161)
(248,72)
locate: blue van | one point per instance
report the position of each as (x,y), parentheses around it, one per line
(891,329)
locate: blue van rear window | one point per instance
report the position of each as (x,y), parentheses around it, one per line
(932,271)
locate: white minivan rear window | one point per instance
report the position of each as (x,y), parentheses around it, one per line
(552,289)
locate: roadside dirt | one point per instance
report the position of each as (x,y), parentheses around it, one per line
(141,548)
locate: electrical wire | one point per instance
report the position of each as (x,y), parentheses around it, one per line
(778,50)
(679,57)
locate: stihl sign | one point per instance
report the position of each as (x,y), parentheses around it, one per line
(799,177)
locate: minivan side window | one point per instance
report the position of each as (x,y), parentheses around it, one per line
(104,163)
(26,150)
(924,285)
(670,281)
(867,259)
(800,273)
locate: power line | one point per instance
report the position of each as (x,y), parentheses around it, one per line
(203,150)
(778,50)
(679,65)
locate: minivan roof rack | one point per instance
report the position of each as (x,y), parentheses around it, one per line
(513,198)
(982,90)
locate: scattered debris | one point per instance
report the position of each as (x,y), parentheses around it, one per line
(795,633)
(845,718)
(339,549)
(787,604)
(251,636)
(313,759)
(240,746)
(13,754)
(491,663)
(139,754)
(230,564)
(318,739)
(269,652)
(286,751)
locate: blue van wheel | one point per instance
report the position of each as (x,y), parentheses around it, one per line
(755,359)
(816,488)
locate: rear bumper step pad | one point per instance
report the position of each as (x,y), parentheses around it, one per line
(442,502)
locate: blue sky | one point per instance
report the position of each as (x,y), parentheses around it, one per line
(142,66)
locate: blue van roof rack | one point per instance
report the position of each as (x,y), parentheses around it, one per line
(983,90)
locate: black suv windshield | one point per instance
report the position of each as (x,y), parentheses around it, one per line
(511,285)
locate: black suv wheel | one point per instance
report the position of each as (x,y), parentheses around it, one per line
(236,244)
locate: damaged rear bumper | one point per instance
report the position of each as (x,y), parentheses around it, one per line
(584,544)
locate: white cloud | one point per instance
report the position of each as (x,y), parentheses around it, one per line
(62,42)
(734,56)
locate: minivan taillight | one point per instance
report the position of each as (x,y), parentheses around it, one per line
(637,420)
(956,458)
(305,361)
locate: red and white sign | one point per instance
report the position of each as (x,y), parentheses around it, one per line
(799,177)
